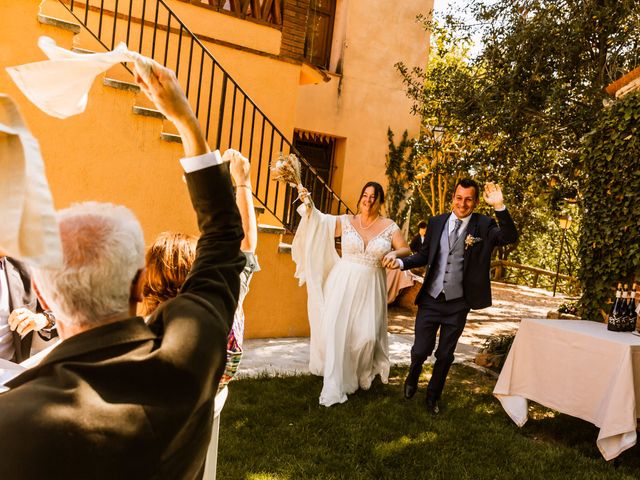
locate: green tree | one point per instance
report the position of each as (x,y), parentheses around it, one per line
(400,171)
(441,156)
(524,102)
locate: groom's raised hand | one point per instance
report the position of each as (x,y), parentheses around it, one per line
(493,195)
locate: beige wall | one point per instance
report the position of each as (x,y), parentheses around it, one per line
(368,97)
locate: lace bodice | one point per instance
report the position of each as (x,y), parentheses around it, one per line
(353,248)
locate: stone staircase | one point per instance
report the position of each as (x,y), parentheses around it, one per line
(152,113)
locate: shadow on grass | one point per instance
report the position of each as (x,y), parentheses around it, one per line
(274,428)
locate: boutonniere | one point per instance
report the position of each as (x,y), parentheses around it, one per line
(470,241)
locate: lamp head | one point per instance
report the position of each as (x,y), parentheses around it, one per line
(565,221)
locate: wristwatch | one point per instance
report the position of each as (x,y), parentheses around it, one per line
(48,332)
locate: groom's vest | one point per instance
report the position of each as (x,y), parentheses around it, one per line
(447,270)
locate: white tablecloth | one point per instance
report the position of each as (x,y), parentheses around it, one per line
(579,368)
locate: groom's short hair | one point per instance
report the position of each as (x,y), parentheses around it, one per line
(468,183)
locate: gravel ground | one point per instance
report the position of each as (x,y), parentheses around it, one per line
(511,303)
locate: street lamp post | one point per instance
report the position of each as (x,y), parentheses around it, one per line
(565,223)
(438,133)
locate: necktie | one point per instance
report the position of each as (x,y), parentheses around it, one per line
(454,233)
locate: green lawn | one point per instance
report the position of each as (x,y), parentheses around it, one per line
(273,428)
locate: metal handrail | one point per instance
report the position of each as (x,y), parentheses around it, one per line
(210,89)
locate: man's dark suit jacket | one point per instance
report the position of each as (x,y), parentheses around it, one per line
(477,258)
(416,243)
(21,294)
(126,400)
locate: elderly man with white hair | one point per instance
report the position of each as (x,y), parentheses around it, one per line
(118,398)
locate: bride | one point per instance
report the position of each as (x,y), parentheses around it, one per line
(347,296)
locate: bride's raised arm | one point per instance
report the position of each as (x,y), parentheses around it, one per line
(304,193)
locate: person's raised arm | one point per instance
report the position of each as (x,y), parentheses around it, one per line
(214,275)
(240,169)
(507,233)
(304,193)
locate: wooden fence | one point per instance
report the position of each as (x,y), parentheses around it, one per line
(511,272)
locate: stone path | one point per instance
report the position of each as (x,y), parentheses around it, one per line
(511,303)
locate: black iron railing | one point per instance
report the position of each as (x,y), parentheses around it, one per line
(229,117)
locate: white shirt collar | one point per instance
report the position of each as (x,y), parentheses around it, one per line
(452,222)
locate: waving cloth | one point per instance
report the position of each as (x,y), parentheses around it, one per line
(313,251)
(60,86)
(28,226)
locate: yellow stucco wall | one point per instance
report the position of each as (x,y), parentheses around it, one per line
(368,97)
(275,306)
(105,154)
(110,154)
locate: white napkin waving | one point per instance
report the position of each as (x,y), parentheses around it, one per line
(60,86)
(28,227)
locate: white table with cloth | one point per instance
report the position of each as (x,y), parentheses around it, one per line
(576,367)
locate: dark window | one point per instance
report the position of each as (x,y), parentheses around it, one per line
(317,48)
(318,152)
(320,155)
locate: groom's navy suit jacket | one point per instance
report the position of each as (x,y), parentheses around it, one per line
(477,258)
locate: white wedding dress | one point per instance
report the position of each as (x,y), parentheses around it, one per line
(354,315)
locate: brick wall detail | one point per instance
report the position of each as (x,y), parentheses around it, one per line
(294,28)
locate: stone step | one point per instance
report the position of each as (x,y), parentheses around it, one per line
(287,237)
(121,85)
(59,23)
(284,247)
(148,112)
(171,137)
(274,229)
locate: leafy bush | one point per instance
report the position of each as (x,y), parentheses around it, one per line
(494,351)
(610,242)
(569,307)
(498,344)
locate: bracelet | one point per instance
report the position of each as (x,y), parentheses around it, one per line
(244,186)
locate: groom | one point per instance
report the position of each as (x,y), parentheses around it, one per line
(457,254)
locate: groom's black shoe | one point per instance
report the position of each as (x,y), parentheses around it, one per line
(432,405)
(409,389)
